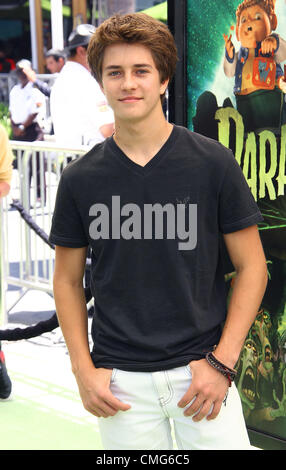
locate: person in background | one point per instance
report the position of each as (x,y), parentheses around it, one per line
(26,104)
(55,60)
(27,108)
(79,110)
(6,168)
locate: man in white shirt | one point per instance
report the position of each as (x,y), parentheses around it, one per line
(27,106)
(79,110)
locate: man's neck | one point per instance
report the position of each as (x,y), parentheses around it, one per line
(141,141)
(79,61)
(23,85)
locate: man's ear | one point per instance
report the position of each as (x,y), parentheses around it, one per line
(273,21)
(164,86)
(101,87)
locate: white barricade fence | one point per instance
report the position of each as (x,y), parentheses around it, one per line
(26,259)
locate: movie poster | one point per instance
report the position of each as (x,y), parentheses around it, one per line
(236,94)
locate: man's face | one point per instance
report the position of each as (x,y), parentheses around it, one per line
(254,25)
(22,78)
(53,65)
(131,81)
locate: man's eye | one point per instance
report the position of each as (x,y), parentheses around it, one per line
(114,73)
(243,20)
(258,16)
(141,71)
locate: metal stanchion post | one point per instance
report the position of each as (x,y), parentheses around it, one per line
(25,194)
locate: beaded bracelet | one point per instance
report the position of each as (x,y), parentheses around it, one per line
(224,370)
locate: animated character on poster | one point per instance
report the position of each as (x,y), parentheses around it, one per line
(259,79)
(262,371)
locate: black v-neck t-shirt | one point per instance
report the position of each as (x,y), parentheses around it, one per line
(155,233)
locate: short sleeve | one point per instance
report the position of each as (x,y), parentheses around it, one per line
(237,206)
(67,226)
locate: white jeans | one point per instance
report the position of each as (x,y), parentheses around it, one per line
(153,397)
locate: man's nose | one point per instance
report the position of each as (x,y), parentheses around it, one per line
(128,82)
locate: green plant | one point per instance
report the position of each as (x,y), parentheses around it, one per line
(5,119)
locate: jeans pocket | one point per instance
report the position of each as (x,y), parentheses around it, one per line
(113,375)
(187,370)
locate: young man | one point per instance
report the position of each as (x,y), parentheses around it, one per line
(151,202)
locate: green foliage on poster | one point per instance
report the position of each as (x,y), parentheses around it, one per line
(207,21)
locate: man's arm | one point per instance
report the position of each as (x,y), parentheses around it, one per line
(247,255)
(17,132)
(71,310)
(209,386)
(230,57)
(41,85)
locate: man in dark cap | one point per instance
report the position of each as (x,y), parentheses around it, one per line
(79,110)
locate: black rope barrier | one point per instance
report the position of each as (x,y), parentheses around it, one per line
(45,326)
(51,323)
(30,221)
(16,334)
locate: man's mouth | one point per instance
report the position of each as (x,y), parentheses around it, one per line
(130,99)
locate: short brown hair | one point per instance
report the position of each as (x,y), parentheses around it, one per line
(134,28)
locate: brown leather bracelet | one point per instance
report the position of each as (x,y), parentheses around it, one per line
(229,373)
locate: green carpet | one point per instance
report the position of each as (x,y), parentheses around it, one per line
(42,418)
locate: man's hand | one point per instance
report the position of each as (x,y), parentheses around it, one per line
(94,389)
(282,84)
(30,74)
(228,45)
(206,392)
(16,131)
